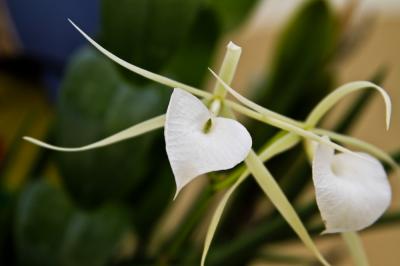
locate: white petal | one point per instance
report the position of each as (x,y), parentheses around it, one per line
(192,152)
(351,193)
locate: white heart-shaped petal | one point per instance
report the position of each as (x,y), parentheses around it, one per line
(191,151)
(351,193)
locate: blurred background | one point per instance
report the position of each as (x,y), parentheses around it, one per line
(113,206)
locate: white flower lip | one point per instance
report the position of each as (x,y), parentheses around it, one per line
(191,151)
(351,193)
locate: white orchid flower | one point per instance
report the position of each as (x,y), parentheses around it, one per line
(197,142)
(352,193)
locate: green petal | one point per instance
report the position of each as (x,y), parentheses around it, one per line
(329,101)
(142,72)
(277,145)
(228,68)
(275,194)
(136,130)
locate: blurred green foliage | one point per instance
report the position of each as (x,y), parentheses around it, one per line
(50,230)
(125,188)
(300,74)
(160,25)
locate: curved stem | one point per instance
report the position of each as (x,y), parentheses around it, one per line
(329,101)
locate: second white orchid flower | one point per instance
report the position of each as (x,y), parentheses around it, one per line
(352,193)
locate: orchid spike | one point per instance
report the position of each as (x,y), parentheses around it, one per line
(351,193)
(197,142)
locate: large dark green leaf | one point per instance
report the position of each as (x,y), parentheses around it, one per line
(42,216)
(51,231)
(146,32)
(96,102)
(190,63)
(92,238)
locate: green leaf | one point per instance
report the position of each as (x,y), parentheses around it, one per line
(232,13)
(141,71)
(146,32)
(51,231)
(136,130)
(355,110)
(275,194)
(95,103)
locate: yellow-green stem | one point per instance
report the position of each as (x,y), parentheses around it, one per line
(228,68)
